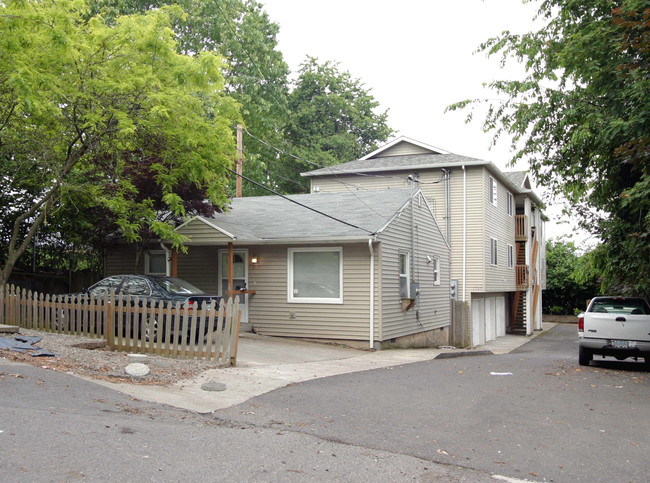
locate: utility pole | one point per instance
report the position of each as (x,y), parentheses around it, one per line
(240,160)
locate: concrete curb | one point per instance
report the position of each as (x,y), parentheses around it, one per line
(451,355)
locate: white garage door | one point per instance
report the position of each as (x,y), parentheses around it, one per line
(488,318)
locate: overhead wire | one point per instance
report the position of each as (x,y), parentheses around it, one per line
(300,204)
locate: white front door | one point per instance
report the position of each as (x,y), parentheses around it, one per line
(239,277)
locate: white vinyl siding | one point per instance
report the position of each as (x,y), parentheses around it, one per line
(270,313)
(432,308)
(500,226)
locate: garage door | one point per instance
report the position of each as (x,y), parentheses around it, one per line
(488,318)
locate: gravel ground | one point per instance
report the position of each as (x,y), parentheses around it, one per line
(91,358)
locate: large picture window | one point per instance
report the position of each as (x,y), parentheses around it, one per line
(315,275)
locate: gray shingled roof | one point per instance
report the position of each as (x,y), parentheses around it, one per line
(274,218)
(391,163)
(516,177)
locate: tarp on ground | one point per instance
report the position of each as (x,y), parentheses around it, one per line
(25,345)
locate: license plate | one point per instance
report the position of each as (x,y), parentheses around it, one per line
(621,344)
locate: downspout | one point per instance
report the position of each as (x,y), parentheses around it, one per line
(464,231)
(372,294)
(447,208)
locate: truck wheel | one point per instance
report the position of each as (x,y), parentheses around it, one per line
(646,363)
(584,356)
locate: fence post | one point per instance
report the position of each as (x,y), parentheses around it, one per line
(237,315)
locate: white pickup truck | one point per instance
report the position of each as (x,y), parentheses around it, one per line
(615,326)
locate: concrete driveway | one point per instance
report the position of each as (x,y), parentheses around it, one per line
(268,363)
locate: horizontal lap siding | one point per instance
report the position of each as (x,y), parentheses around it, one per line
(199,267)
(433,308)
(270,312)
(501,226)
(202,233)
(120,259)
(344,183)
(475,229)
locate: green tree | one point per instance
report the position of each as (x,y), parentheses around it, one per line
(255,72)
(333,120)
(570,283)
(581,118)
(78,97)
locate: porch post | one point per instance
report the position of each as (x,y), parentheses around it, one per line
(174,262)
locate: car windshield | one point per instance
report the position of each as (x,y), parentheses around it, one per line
(177,286)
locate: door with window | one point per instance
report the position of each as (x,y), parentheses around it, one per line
(239,277)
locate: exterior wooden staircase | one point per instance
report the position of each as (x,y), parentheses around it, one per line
(518,316)
(525,281)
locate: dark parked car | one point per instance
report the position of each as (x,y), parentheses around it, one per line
(151,289)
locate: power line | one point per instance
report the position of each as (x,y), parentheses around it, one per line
(346,185)
(298,203)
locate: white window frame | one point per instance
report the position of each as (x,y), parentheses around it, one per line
(493,190)
(313,300)
(494,252)
(147,255)
(510,203)
(511,256)
(436,270)
(404,275)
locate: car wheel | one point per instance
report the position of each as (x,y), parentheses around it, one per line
(151,329)
(584,356)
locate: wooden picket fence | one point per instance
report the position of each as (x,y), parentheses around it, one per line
(130,324)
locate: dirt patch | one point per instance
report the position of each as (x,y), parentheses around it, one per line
(92,358)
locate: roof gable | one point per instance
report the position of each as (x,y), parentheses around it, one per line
(404,146)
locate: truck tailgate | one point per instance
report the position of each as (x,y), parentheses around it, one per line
(618,327)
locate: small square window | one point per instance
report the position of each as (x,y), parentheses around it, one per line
(155,262)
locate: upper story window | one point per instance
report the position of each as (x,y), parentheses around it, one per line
(493,251)
(404,277)
(511,256)
(510,203)
(493,191)
(315,275)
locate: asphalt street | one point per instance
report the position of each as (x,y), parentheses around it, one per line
(57,427)
(533,414)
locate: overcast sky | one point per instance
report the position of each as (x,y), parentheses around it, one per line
(417,57)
